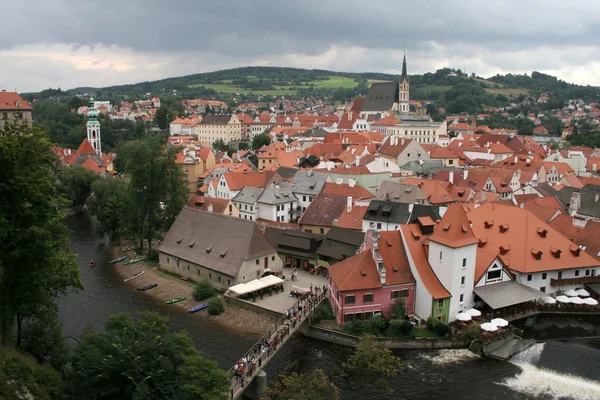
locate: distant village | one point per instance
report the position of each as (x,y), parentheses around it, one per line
(377,196)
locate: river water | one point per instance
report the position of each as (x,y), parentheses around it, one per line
(443,374)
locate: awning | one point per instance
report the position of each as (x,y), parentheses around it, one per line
(239,288)
(257,284)
(505,294)
(271,280)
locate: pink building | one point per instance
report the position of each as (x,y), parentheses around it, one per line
(370,282)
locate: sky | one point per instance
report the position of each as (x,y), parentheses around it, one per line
(71,43)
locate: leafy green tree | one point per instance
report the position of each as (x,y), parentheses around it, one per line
(43,337)
(162,118)
(371,363)
(76,184)
(110,203)
(220,145)
(401,325)
(398,309)
(378,323)
(36,264)
(203,290)
(295,386)
(215,306)
(260,140)
(157,188)
(242,146)
(143,359)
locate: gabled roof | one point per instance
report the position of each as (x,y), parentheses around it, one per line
(352,219)
(395,149)
(323,210)
(215,241)
(85,148)
(202,202)
(11,101)
(454,229)
(358,272)
(400,192)
(215,119)
(344,189)
(381,96)
(394,257)
(248,195)
(239,180)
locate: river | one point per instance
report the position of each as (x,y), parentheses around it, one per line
(445,374)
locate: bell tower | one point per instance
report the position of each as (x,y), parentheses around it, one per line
(93,128)
(404,87)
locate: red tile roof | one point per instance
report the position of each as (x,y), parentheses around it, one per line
(344,189)
(85,148)
(353,219)
(355,273)
(238,180)
(394,257)
(11,101)
(454,229)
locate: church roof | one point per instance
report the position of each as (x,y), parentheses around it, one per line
(85,148)
(381,96)
(404,74)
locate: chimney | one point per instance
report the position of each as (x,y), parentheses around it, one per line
(465,174)
(210,207)
(402,142)
(339,180)
(387,196)
(516,159)
(349,204)
(357,160)
(483,196)
(575,203)
(451,177)
(351,182)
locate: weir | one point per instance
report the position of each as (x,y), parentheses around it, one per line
(259,355)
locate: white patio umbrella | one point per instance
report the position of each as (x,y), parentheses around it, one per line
(499,322)
(489,327)
(563,299)
(548,300)
(576,300)
(571,293)
(463,316)
(582,293)
(473,312)
(590,302)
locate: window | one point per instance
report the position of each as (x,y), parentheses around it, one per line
(450,162)
(494,275)
(440,303)
(529,278)
(379,225)
(350,299)
(368,298)
(209,276)
(219,279)
(462,298)
(560,274)
(464,262)
(404,293)
(462,281)
(228,282)
(322,231)
(395,294)
(543,289)
(168,260)
(544,275)
(272,258)
(587,273)
(440,256)
(257,262)
(576,272)
(303,198)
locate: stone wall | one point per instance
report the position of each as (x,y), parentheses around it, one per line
(251,306)
(391,343)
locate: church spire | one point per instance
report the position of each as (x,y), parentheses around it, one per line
(404,74)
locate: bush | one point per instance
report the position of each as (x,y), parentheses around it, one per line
(203,290)
(406,327)
(357,325)
(398,309)
(431,323)
(441,329)
(473,331)
(152,255)
(323,311)
(215,306)
(378,323)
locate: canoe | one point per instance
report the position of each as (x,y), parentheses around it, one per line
(150,286)
(198,308)
(175,300)
(116,260)
(135,260)
(133,277)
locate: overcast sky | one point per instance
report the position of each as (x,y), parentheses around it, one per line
(70,43)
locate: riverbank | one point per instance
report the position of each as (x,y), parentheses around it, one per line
(170,287)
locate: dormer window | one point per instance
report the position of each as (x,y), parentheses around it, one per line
(488,224)
(555,252)
(503,228)
(537,254)
(542,232)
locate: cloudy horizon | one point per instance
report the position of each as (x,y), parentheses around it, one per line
(67,43)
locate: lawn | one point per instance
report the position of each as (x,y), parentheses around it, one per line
(334,82)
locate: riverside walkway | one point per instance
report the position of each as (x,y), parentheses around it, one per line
(265,349)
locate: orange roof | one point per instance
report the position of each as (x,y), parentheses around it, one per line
(573,181)
(460,127)
(11,101)
(394,150)
(483,260)
(454,229)
(85,148)
(439,152)
(344,189)
(394,257)
(532,245)
(562,168)
(219,205)
(203,153)
(437,191)
(386,121)
(588,236)
(238,180)
(544,207)
(353,219)
(414,240)
(355,273)
(92,165)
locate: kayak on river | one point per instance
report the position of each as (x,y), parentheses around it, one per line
(91,264)
(149,286)
(117,260)
(175,300)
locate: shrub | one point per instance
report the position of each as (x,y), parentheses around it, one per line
(323,311)
(215,306)
(203,290)
(152,255)
(473,331)
(431,323)
(406,327)
(357,325)
(441,329)
(398,309)
(378,323)
(400,325)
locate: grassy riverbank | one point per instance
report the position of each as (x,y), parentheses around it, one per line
(171,286)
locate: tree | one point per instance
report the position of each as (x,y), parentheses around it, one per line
(215,306)
(398,309)
(162,118)
(203,290)
(76,184)
(36,264)
(242,146)
(157,188)
(143,359)
(43,337)
(371,363)
(109,203)
(260,140)
(220,145)
(315,386)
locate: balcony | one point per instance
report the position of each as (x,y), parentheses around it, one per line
(575,281)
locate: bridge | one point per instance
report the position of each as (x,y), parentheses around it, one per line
(267,346)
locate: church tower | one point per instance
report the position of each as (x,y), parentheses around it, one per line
(93,128)
(403,95)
